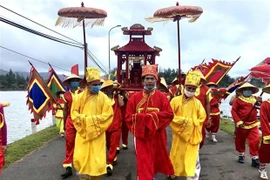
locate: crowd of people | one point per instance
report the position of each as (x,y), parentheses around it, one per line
(96,117)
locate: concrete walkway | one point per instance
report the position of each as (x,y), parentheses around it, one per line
(218,160)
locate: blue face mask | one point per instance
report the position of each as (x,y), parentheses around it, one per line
(95,89)
(247,93)
(147,89)
(74,85)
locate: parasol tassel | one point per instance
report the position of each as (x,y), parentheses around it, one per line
(72,22)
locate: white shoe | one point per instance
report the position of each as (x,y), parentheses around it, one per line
(214,139)
(263,174)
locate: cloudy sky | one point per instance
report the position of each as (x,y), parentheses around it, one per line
(226,30)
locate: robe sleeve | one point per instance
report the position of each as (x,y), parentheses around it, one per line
(196,136)
(91,126)
(141,125)
(163,117)
(234,110)
(180,125)
(264,119)
(3,127)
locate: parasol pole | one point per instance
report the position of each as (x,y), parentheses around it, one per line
(85,45)
(178,39)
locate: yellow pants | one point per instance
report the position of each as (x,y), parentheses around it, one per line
(60,125)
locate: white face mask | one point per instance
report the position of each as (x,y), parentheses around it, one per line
(188,93)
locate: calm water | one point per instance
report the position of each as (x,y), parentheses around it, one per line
(18,117)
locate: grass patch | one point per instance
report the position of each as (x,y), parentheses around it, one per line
(19,149)
(227,125)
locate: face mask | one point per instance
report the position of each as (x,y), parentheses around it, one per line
(247,93)
(109,93)
(95,89)
(147,89)
(74,85)
(188,93)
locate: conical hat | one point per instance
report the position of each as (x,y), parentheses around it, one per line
(72,76)
(108,83)
(163,83)
(248,85)
(266,89)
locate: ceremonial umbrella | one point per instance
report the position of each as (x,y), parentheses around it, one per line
(176,13)
(81,16)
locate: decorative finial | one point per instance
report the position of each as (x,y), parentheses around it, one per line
(177,4)
(82,4)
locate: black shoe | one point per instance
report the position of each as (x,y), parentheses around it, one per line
(114,162)
(67,173)
(255,163)
(109,171)
(241,159)
(124,147)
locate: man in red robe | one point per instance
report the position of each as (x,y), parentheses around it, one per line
(124,128)
(214,114)
(264,150)
(245,116)
(148,114)
(203,94)
(73,83)
(114,131)
(3,135)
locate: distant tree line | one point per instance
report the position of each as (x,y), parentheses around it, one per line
(16,81)
(13,81)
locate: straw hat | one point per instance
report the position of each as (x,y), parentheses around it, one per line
(108,83)
(71,77)
(247,85)
(163,83)
(266,89)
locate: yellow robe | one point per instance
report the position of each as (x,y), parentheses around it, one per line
(92,115)
(189,116)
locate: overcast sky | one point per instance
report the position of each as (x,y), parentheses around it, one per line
(226,30)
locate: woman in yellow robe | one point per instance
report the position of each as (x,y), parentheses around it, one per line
(189,116)
(92,114)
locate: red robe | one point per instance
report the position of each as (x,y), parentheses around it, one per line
(241,115)
(265,125)
(202,97)
(113,132)
(147,116)
(70,130)
(124,129)
(215,115)
(3,136)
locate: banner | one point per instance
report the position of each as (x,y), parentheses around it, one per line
(39,96)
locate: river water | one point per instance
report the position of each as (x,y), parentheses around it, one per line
(18,117)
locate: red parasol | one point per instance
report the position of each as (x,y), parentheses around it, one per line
(81,16)
(176,13)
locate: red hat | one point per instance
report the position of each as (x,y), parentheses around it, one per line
(151,70)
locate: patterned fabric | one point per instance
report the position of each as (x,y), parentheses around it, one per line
(92,74)
(193,78)
(150,70)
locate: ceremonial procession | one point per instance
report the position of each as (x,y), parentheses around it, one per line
(152,113)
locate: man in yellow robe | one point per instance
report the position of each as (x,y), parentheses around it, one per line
(189,115)
(92,115)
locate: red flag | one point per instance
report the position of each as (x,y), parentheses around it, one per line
(75,69)
(214,71)
(262,71)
